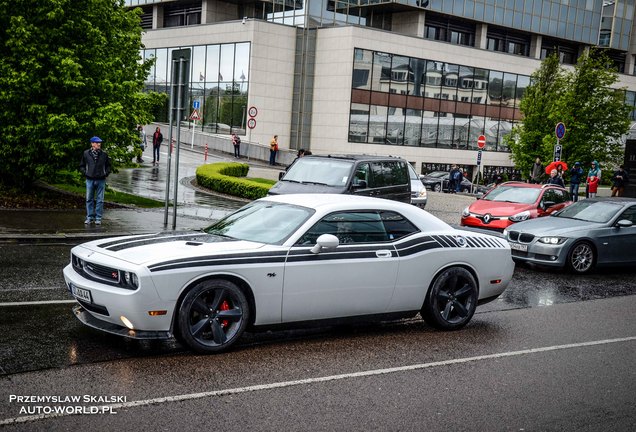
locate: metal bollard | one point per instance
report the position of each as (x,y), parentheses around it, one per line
(205,155)
(172,145)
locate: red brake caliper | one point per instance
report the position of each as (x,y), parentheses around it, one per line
(225,306)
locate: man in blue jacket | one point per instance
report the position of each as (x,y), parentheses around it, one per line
(95,166)
(576,175)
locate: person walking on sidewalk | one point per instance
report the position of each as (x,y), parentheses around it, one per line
(95,166)
(619,180)
(157,139)
(273,149)
(143,144)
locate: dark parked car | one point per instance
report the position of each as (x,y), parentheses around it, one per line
(588,233)
(438,181)
(374,176)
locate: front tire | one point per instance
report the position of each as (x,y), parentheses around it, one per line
(451,300)
(213,316)
(581,258)
(437,187)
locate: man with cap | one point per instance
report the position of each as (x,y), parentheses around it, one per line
(95,166)
(576,174)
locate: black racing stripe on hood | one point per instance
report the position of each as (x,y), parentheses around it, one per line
(229,259)
(136,242)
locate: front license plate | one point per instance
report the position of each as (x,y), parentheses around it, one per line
(519,247)
(81,294)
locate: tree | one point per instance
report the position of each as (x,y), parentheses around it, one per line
(594,113)
(533,137)
(70,70)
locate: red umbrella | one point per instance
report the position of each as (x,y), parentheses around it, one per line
(554,165)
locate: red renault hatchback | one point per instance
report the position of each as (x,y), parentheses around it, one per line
(512,202)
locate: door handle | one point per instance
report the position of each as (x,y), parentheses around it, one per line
(383,253)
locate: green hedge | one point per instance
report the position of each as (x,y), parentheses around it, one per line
(230,178)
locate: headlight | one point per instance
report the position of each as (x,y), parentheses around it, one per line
(131,280)
(505,233)
(519,217)
(465,212)
(423,193)
(552,240)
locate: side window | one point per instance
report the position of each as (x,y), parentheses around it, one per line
(549,195)
(396,225)
(349,227)
(560,196)
(389,173)
(629,214)
(362,174)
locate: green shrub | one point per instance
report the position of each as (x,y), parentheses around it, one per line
(230,178)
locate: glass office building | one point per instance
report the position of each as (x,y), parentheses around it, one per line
(421,79)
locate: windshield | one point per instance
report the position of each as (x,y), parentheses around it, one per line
(330,172)
(437,174)
(262,221)
(520,195)
(590,211)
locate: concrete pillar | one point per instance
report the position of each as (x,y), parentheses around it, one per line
(408,23)
(481,36)
(157,16)
(535,46)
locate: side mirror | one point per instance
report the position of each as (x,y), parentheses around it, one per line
(280,175)
(360,184)
(325,241)
(624,223)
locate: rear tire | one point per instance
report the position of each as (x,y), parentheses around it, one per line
(213,316)
(451,300)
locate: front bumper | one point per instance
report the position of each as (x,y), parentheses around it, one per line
(91,321)
(108,304)
(497,223)
(540,253)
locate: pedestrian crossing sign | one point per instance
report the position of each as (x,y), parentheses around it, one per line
(195,115)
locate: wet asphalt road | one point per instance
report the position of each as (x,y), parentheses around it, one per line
(555,352)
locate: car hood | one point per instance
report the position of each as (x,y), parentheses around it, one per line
(147,249)
(498,208)
(553,225)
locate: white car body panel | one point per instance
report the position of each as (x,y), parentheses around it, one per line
(288,282)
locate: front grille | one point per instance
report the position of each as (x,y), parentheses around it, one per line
(513,235)
(526,238)
(96,272)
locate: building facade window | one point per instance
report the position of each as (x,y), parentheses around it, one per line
(219,81)
(398,100)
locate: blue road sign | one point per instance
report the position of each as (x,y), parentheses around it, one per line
(196,104)
(559,130)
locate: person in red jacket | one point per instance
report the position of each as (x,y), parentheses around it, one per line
(592,186)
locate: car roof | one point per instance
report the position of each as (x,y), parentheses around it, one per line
(355,157)
(530,185)
(621,200)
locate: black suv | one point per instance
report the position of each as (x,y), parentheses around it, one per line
(376,176)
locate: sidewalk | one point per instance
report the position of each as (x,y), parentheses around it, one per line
(196,208)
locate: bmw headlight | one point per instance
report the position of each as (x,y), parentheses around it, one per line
(552,240)
(520,217)
(465,212)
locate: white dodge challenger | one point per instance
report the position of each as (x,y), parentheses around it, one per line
(284,261)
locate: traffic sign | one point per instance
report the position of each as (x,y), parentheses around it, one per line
(251,123)
(195,115)
(479,158)
(559,130)
(252,111)
(481,141)
(557,152)
(196,104)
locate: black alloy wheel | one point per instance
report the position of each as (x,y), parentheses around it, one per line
(437,187)
(212,316)
(581,257)
(451,300)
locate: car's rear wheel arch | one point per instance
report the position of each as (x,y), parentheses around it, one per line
(244,287)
